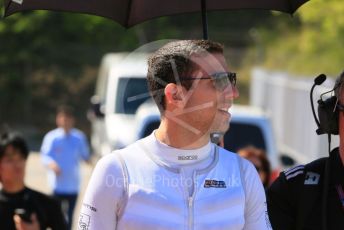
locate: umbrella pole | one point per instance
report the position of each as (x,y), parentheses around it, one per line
(204,20)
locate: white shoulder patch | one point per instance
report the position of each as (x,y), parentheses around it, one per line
(312,178)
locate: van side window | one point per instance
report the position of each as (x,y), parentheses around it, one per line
(131,93)
(240,135)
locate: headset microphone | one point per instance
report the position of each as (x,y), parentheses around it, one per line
(320,79)
(327,112)
(317,81)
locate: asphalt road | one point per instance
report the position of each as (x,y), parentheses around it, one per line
(36,178)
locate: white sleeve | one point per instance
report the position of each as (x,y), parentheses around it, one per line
(103,196)
(47,149)
(256,214)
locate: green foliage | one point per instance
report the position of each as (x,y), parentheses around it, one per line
(314,45)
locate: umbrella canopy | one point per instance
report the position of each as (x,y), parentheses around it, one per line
(131,12)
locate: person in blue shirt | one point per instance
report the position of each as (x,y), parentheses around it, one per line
(62,150)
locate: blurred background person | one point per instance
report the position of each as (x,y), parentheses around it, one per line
(21,207)
(62,151)
(256,155)
(259,160)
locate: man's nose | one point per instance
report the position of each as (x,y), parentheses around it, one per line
(231,92)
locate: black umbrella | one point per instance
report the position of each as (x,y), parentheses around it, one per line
(131,12)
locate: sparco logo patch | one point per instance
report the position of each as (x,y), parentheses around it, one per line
(84,221)
(214,184)
(183,158)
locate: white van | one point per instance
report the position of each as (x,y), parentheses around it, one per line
(120,89)
(123,111)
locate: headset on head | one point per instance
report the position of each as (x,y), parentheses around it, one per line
(328,109)
(328,123)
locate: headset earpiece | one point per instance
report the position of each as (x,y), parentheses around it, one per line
(328,116)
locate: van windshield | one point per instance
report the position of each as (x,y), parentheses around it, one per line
(242,135)
(131,93)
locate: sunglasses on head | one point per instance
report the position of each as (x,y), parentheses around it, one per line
(220,80)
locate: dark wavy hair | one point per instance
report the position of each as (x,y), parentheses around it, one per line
(14,140)
(172,59)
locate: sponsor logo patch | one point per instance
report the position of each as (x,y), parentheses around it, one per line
(90,207)
(84,221)
(214,184)
(312,178)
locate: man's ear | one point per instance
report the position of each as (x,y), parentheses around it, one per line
(174,94)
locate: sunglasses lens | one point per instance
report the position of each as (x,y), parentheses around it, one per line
(223,80)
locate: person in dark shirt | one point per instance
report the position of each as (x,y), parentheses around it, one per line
(311,196)
(22,208)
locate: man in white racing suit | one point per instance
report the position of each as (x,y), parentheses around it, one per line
(176,178)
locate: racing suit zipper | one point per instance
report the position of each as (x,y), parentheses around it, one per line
(190,211)
(191,203)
